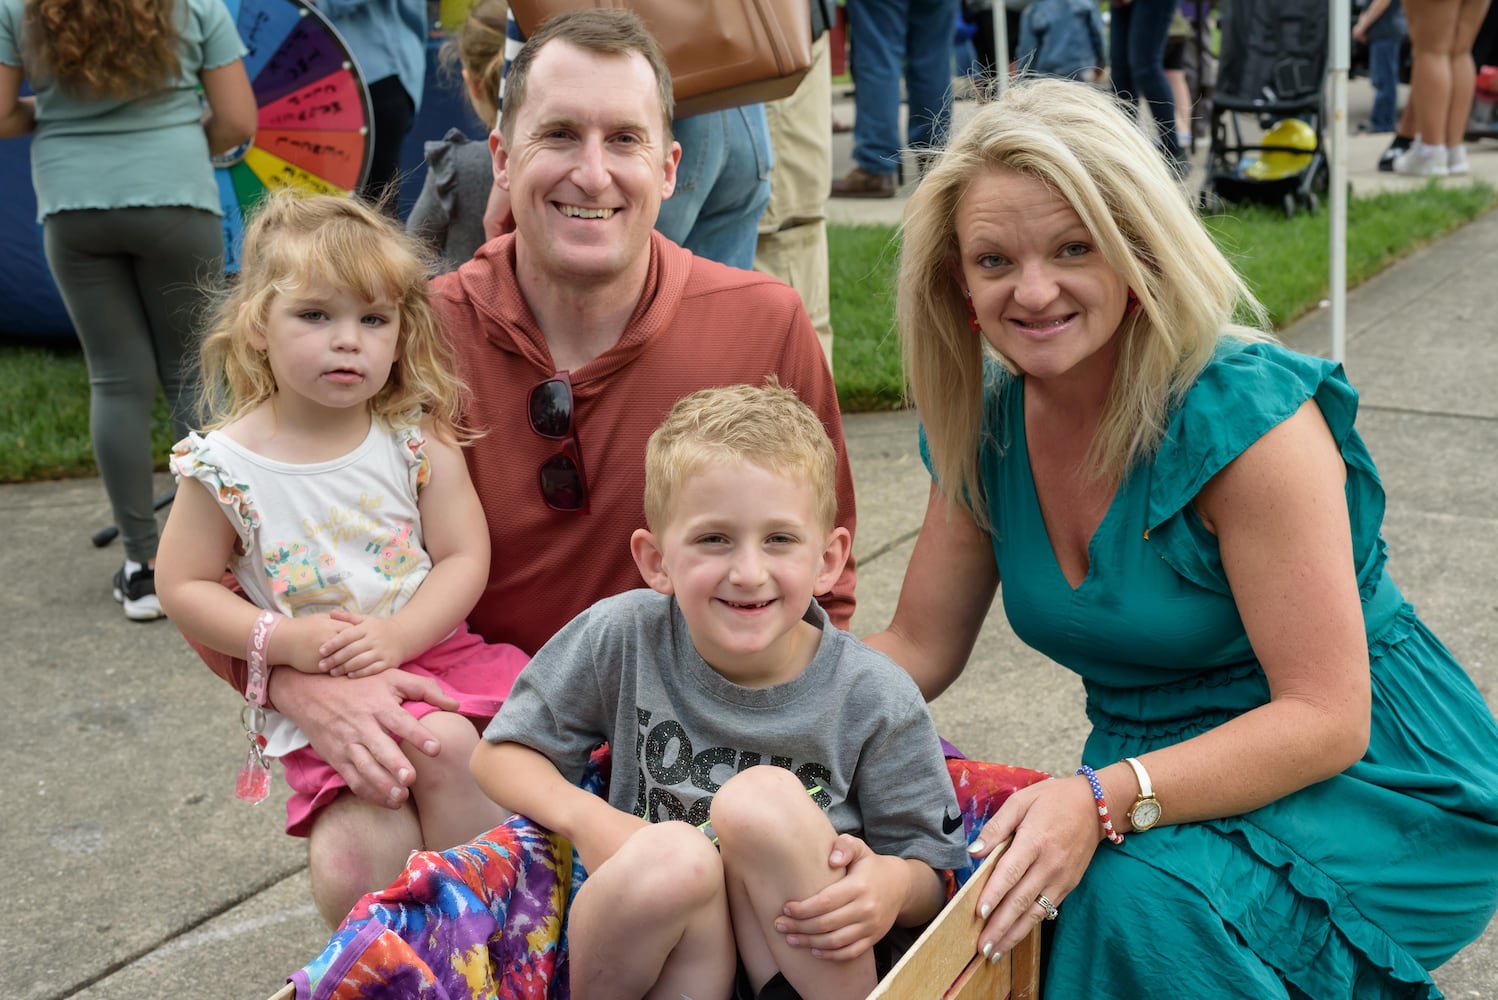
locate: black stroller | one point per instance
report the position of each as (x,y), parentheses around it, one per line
(1273,72)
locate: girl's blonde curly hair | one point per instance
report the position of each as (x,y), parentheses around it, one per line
(298,242)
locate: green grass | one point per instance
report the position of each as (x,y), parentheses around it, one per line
(1284,261)
(44,399)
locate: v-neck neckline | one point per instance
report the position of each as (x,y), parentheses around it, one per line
(1034,495)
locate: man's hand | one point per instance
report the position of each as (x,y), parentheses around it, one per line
(366,646)
(845,919)
(357,724)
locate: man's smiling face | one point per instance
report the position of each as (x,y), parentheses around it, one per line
(587,166)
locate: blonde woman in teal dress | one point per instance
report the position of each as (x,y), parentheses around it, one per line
(1182,513)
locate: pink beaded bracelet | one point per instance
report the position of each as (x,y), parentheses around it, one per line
(1102,806)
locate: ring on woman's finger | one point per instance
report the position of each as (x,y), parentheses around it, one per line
(1049,907)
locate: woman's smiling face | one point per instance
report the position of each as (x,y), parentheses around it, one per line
(1043,294)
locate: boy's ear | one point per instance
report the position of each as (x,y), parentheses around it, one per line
(652,563)
(834,558)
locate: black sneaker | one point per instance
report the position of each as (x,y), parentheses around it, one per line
(1398,146)
(137,593)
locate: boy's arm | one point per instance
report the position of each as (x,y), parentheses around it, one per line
(456,538)
(525,781)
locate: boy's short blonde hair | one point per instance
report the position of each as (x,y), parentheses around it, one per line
(766,425)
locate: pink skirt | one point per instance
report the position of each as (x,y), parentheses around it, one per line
(478,674)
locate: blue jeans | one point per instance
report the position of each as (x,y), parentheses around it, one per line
(1137,33)
(889,36)
(722,185)
(1383,73)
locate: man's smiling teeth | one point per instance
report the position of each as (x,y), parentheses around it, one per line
(578,212)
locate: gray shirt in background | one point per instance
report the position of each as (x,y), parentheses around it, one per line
(626,672)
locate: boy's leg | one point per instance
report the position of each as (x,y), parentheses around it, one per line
(449,803)
(356,847)
(775,842)
(652,921)
(1383,73)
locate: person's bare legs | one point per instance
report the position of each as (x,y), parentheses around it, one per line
(356,847)
(775,842)
(1182,94)
(653,922)
(1463,70)
(1432,27)
(450,805)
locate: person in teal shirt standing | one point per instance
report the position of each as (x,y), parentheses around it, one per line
(1291,787)
(129,209)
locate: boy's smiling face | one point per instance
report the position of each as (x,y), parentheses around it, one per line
(744,551)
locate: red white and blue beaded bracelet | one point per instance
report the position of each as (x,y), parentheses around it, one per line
(1102,806)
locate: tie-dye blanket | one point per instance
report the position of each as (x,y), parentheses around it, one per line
(488,919)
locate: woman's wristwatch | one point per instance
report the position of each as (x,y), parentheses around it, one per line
(1145,812)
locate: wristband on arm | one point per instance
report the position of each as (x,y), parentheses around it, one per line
(253,782)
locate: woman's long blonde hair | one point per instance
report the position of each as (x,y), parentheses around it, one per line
(295,242)
(1084,147)
(102,48)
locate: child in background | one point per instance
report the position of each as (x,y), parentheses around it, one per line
(1061,38)
(449,212)
(724,665)
(334,487)
(1381,27)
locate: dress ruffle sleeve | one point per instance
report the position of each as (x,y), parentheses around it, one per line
(193,458)
(1261,385)
(413,450)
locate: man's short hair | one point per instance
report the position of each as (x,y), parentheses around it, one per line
(765,425)
(600,30)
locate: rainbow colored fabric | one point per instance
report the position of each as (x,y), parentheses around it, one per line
(488,919)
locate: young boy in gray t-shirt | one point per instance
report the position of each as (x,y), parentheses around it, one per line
(733,709)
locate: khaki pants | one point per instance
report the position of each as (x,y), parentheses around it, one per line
(793,231)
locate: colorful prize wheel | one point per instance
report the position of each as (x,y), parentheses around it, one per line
(314,129)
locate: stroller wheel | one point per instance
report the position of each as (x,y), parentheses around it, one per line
(1289,205)
(1313,203)
(1208,203)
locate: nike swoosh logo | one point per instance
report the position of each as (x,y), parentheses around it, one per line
(951,824)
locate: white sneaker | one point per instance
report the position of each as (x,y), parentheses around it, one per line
(1421,161)
(1456,159)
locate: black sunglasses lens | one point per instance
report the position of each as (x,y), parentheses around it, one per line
(551,409)
(562,483)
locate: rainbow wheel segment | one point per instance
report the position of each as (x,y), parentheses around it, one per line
(313,130)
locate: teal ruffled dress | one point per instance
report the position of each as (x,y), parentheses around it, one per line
(1353,887)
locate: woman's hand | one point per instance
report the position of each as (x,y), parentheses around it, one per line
(1053,829)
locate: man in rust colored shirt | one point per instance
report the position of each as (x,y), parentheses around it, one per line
(576,333)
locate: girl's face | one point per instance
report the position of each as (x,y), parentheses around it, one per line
(329,349)
(1043,294)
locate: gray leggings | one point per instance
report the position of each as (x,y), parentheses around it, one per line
(134,282)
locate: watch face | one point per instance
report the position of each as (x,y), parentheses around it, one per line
(1145,814)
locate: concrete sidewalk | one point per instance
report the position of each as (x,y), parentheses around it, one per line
(138,875)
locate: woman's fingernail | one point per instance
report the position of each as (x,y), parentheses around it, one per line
(976,846)
(985,910)
(994,958)
(403,776)
(987,949)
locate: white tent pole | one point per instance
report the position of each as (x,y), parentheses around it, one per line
(1341,58)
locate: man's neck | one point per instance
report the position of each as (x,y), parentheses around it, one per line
(579,320)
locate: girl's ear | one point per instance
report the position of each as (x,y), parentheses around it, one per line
(652,562)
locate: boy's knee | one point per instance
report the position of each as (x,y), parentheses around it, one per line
(673,866)
(753,805)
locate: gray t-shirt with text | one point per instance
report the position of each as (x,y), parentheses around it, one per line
(626,672)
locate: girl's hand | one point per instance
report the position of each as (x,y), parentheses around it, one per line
(297,642)
(366,646)
(1053,830)
(845,919)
